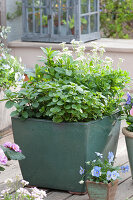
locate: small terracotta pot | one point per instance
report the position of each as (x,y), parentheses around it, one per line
(101,191)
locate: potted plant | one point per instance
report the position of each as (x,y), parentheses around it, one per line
(102,177)
(70,103)
(128,131)
(11,75)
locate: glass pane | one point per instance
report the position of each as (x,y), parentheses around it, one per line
(37,3)
(29,2)
(63,20)
(56,21)
(84,6)
(44,2)
(30,20)
(37,20)
(93,23)
(93,5)
(44,21)
(84,25)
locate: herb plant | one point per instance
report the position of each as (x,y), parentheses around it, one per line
(69,88)
(102,169)
(11,69)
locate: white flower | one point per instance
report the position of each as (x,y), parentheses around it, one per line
(3,55)
(81,182)
(6,191)
(23,191)
(121,60)
(36,193)
(9,180)
(24,183)
(99,154)
(6,66)
(108,59)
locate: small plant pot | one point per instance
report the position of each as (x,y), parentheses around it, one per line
(101,191)
(129,144)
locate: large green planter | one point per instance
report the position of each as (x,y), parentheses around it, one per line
(55,151)
(129,144)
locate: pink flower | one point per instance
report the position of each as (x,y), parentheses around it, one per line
(7,144)
(131,111)
(3,158)
(15,147)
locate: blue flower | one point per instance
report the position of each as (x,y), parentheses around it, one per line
(81,171)
(110,157)
(99,154)
(114,175)
(124,168)
(96,171)
(128,99)
(109,173)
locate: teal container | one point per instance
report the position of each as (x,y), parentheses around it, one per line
(129,144)
(55,151)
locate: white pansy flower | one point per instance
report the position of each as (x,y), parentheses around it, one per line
(81,182)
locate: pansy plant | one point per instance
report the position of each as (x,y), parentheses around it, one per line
(128,112)
(102,170)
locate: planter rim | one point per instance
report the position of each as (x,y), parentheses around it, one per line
(86,123)
(127,133)
(107,184)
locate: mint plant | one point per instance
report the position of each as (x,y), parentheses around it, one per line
(69,88)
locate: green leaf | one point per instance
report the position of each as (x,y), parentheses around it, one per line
(35,104)
(2,169)
(14,113)
(25,115)
(12,155)
(9,104)
(44,51)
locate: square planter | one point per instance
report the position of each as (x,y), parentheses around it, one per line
(101,191)
(55,151)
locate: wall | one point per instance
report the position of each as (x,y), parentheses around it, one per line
(15,24)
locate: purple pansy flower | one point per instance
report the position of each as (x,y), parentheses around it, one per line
(124,168)
(8,144)
(109,173)
(15,147)
(96,171)
(114,175)
(110,157)
(81,171)
(3,158)
(128,98)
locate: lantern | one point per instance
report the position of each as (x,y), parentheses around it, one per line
(60,20)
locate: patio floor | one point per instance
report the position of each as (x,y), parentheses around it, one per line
(125,188)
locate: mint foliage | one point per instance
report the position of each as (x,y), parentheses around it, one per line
(70,88)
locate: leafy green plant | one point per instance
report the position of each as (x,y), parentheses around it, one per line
(70,89)
(11,69)
(116,18)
